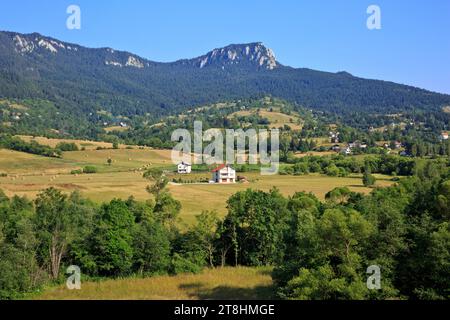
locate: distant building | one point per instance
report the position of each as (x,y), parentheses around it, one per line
(397,144)
(184,168)
(347,151)
(123,124)
(334,137)
(224,174)
(336,148)
(444,136)
(404,154)
(357,145)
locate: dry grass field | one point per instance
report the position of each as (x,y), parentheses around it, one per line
(116,129)
(222,283)
(276,119)
(14,162)
(194,197)
(87,144)
(122,159)
(198,197)
(28,174)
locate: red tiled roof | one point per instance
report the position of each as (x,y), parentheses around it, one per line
(220,167)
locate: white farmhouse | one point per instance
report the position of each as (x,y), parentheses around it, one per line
(224,174)
(184,168)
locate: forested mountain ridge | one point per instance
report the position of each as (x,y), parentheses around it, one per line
(81,80)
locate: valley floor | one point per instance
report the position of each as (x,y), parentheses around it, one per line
(28,174)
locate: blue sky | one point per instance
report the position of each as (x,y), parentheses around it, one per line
(413,46)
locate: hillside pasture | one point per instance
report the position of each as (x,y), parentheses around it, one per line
(276,118)
(87,144)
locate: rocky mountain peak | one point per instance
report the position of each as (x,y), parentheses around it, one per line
(254,53)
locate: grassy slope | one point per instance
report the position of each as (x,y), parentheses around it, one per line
(222,283)
(276,119)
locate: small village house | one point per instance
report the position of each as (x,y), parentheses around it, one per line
(336,148)
(334,137)
(224,173)
(357,145)
(184,168)
(444,136)
(397,144)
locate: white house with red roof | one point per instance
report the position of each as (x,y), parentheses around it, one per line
(444,135)
(224,173)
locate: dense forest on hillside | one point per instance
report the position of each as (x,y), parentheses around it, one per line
(80,81)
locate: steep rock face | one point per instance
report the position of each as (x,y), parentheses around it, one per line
(27,44)
(255,54)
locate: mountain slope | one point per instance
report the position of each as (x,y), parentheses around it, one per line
(84,80)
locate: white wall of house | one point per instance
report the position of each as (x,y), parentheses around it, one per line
(225,175)
(184,168)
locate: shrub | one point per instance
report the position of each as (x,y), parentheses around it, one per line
(89,169)
(187,263)
(368,180)
(67,146)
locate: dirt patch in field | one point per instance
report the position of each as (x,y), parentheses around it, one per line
(71,186)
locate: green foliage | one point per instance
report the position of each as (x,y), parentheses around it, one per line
(160,180)
(205,234)
(151,248)
(67,146)
(368,180)
(323,284)
(320,250)
(57,225)
(90,169)
(254,226)
(16,276)
(401,229)
(17,144)
(112,239)
(187,263)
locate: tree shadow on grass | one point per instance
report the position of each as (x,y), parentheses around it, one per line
(197,290)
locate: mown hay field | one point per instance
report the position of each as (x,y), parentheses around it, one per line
(28,174)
